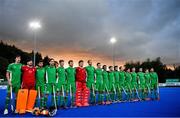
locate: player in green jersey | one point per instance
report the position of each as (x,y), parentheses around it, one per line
(40,83)
(99,83)
(71,86)
(116,77)
(106,84)
(128,84)
(148,84)
(154,84)
(61,84)
(134,85)
(142,83)
(112,83)
(90,70)
(13,76)
(122,82)
(51,81)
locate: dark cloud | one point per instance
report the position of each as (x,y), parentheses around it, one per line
(144,28)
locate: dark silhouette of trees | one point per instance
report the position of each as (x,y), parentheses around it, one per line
(159,67)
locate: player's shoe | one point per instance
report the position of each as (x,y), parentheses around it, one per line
(78,104)
(5,111)
(15,111)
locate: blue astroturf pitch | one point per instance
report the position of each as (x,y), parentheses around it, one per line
(169,105)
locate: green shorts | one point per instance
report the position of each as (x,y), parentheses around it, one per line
(90,84)
(41,88)
(99,86)
(15,88)
(111,86)
(143,86)
(153,85)
(106,86)
(49,88)
(61,86)
(128,86)
(71,86)
(134,85)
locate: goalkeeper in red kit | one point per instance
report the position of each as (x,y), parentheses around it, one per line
(28,76)
(82,92)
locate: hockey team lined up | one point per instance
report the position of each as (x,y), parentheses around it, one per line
(105,87)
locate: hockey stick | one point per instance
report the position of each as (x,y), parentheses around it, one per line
(54,95)
(12,101)
(157,90)
(94,94)
(124,90)
(54,111)
(71,96)
(114,92)
(39,95)
(107,92)
(137,93)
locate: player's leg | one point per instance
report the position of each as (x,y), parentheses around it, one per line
(111,91)
(73,93)
(54,97)
(128,92)
(48,91)
(101,93)
(120,92)
(57,96)
(67,93)
(7,101)
(42,100)
(98,92)
(61,95)
(38,95)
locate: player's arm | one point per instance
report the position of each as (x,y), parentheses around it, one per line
(8,78)
(46,75)
(8,72)
(94,76)
(138,80)
(57,76)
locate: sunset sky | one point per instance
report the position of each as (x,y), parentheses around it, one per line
(81,29)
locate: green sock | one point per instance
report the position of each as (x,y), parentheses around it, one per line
(45,101)
(42,102)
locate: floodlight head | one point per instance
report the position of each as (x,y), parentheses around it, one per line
(113,40)
(35,25)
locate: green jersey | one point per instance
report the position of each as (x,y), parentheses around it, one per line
(116,76)
(99,77)
(61,74)
(154,77)
(90,73)
(70,72)
(15,73)
(105,76)
(40,76)
(134,77)
(147,78)
(128,77)
(51,74)
(111,77)
(141,77)
(121,76)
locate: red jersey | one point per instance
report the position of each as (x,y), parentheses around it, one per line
(80,74)
(28,77)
